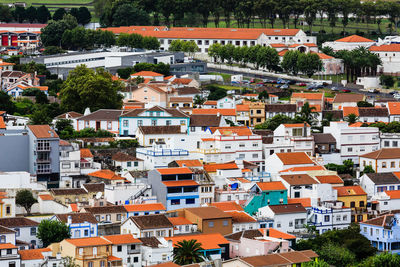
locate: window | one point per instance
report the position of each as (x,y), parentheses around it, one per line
(90,264)
(129,164)
(118,217)
(383,164)
(242,145)
(361,203)
(66,165)
(392,164)
(33,231)
(168,122)
(175,201)
(135,259)
(225,223)
(9,251)
(109,125)
(125,123)
(352,204)
(394,144)
(102,264)
(17,231)
(255,156)
(297,132)
(326,218)
(3,239)
(210,224)
(291,224)
(183,122)
(190,201)
(386,143)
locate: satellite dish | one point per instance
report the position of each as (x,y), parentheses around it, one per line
(98,195)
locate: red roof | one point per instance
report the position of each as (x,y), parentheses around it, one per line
(86,153)
(2,124)
(121,239)
(304,169)
(345,191)
(329,179)
(46,197)
(147,74)
(144,207)
(237,130)
(189,163)
(240,217)
(393,194)
(305,202)
(207,241)
(88,241)
(309,96)
(385,48)
(294,158)
(394,108)
(33,254)
(276,233)
(179,220)
(227,206)
(354,39)
(106,174)
(182,170)
(271,186)
(350,110)
(220,166)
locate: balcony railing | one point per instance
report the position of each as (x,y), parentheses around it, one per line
(48,160)
(86,256)
(133,251)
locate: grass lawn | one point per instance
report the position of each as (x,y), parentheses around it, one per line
(225,76)
(229,87)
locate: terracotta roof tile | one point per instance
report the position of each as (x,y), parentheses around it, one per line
(2,123)
(384,153)
(106,209)
(346,97)
(276,233)
(287,208)
(242,107)
(240,217)
(299,179)
(227,206)
(77,217)
(295,125)
(7,246)
(17,222)
(86,153)
(161,129)
(308,96)
(94,187)
(329,179)
(280,108)
(45,197)
(146,74)
(220,166)
(344,191)
(205,120)
(305,202)
(119,156)
(145,207)
(122,239)
(385,48)
(394,108)
(179,221)
(189,163)
(207,241)
(294,158)
(33,254)
(355,39)
(166,264)
(67,191)
(106,174)
(271,186)
(393,194)
(88,241)
(151,221)
(42,131)
(235,130)
(181,170)
(214,111)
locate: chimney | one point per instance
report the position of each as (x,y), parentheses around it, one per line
(69,220)
(305,129)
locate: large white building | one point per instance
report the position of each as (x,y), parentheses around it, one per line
(349,43)
(390,57)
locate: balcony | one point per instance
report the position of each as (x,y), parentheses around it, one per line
(134,251)
(43,160)
(87,256)
(209,151)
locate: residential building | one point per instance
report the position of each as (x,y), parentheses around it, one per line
(387,200)
(153,93)
(373,114)
(144,209)
(127,248)
(159,155)
(388,53)
(353,141)
(38,257)
(171,134)
(394,111)
(126,162)
(175,188)
(390,140)
(278,162)
(155,250)
(80,224)
(355,198)
(70,157)
(324,143)
(383,160)
(156,225)
(102,119)
(183,103)
(70,195)
(109,214)
(257,112)
(243,114)
(383,232)
(349,43)
(107,177)
(374,183)
(25,229)
(199,123)
(215,246)
(314,99)
(130,121)
(271,110)
(242,221)
(182,225)
(17,90)
(288,218)
(298,185)
(266,193)
(148,75)
(228,114)
(9,255)
(329,216)
(346,100)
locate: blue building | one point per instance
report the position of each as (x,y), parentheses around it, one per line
(80,224)
(175,187)
(383,232)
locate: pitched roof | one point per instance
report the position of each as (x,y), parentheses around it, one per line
(88,241)
(106,209)
(179,221)
(178,170)
(323,138)
(17,222)
(305,202)
(86,153)
(385,48)
(304,169)
(214,111)
(383,153)
(165,264)
(394,108)
(32,254)
(350,110)
(106,174)
(189,163)
(385,221)
(122,239)
(322,55)
(336,114)
(299,179)
(161,129)
(147,73)
(344,191)
(294,158)
(308,96)
(154,221)
(346,97)
(207,241)
(119,156)
(271,186)
(220,166)
(150,241)
(234,130)
(180,99)
(182,81)
(188,91)
(280,107)
(354,39)
(104,114)
(287,208)
(141,112)
(7,246)
(295,125)
(5,230)
(393,194)
(2,123)
(208,212)
(68,191)
(46,197)
(201,120)
(70,114)
(77,217)
(276,233)
(278,259)
(94,187)
(329,179)
(145,207)
(42,131)
(383,178)
(373,112)
(227,206)
(250,234)
(240,217)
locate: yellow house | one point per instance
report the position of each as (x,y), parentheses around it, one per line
(355,198)
(89,252)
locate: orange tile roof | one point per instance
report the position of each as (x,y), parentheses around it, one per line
(394,108)
(283,52)
(308,96)
(210,103)
(165,264)
(305,202)
(182,81)
(33,254)
(146,74)
(246,170)
(74,207)
(179,220)
(235,130)
(189,163)
(240,217)
(121,239)
(317,108)
(208,241)
(227,206)
(295,125)
(256,95)
(242,108)
(43,131)
(345,191)
(277,45)
(350,110)
(322,55)
(305,169)
(106,174)
(357,124)
(86,153)
(294,158)
(144,207)
(46,197)
(180,183)
(354,39)
(277,234)
(385,48)
(179,170)
(7,246)
(329,179)
(113,258)
(2,123)
(214,111)
(88,241)
(271,186)
(220,166)
(393,194)
(243,180)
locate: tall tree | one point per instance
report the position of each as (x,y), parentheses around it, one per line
(84,15)
(19,14)
(59,13)
(5,13)
(310,12)
(289,62)
(43,14)
(52,34)
(6,104)
(52,232)
(31,14)
(188,252)
(128,14)
(309,63)
(25,199)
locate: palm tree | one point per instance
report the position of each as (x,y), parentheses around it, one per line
(351,118)
(307,113)
(188,252)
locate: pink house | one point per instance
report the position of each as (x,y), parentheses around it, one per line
(152,94)
(255,243)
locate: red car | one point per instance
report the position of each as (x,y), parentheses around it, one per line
(346,91)
(302,84)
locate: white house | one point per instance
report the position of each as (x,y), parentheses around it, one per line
(382,160)
(156,225)
(159,155)
(227,102)
(353,141)
(25,229)
(145,209)
(281,161)
(287,218)
(298,185)
(389,55)
(156,250)
(104,119)
(394,111)
(374,183)
(127,248)
(329,216)
(242,221)
(82,224)
(390,140)
(182,225)
(387,200)
(127,162)
(349,43)
(147,135)
(148,75)
(271,110)
(372,114)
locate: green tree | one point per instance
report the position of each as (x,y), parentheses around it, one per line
(309,63)
(128,14)
(364,104)
(40,117)
(319,263)
(385,259)
(84,15)
(125,73)
(59,14)
(52,34)
(6,103)
(216,92)
(274,122)
(31,92)
(5,14)
(25,199)
(368,169)
(43,14)
(387,81)
(351,118)
(263,95)
(52,50)
(188,252)
(289,62)
(214,51)
(307,113)
(88,88)
(336,255)
(31,14)
(19,14)
(151,43)
(176,45)
(68,262)
(52,232)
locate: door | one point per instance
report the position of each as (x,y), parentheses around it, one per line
(4,40)
(14,40)
(97,125)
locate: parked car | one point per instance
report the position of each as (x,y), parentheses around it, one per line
(334,89)
(285,86)
(302,84)
(346,91)
(234,82)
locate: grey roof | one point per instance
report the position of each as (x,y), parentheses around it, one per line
(152,221)
(161,129)
(104,114)
(383,178)
(324,138)
(373,112)
(205,120)
(280,107)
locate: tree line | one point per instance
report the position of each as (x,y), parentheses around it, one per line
(245,13)
(42,14)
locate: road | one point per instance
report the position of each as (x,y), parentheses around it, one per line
(339,86)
